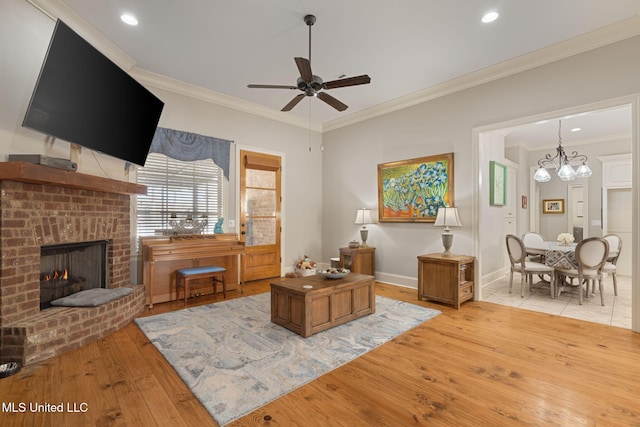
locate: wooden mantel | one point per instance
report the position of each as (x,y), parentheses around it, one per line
(46,175)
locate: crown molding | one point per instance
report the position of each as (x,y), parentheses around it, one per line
(576,143)
(574,46)
(55,9)
(177,86)
(604,36)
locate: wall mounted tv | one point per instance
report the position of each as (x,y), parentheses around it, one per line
(84,98)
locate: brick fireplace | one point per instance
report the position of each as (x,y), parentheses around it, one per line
(42,206)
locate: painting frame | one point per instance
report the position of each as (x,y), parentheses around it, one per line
(497,184)
(413,190)
(553,206)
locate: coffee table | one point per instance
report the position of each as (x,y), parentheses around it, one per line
(311,304)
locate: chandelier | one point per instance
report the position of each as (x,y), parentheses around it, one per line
(560,162)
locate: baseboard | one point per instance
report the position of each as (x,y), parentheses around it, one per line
(493,276)
(395,279)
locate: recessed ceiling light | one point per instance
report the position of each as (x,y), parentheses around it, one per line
(490,17)
(576,129)
(129,19)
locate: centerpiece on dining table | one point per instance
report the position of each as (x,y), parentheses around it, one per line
(565,239)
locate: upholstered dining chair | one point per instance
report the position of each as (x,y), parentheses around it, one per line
(615,242)
(526,268)
(591,255)
(529,238)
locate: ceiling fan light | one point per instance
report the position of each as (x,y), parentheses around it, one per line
(566,173)
(542,175)
(583,171)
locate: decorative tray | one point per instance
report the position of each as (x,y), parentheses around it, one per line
(334,273)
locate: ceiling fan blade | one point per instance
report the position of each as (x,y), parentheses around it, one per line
(332,101)
(349,81)
(272,87)
(293,102)
(304,66)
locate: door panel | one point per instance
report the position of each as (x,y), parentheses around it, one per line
(260,213)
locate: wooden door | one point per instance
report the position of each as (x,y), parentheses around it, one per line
(260,213)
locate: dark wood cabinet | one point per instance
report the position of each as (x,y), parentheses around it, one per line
(446,279)
(359,260)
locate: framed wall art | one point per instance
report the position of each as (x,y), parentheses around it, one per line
(413,190)
(553,206)
(497,184)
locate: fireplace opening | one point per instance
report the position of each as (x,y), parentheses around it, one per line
(69,268)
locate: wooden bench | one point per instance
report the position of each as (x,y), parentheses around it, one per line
(185,276)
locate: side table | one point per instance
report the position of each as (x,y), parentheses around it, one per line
(359,260)
(448,280)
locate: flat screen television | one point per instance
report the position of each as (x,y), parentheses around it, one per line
(82,97)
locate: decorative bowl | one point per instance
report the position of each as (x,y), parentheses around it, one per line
(334,273)
(354,244)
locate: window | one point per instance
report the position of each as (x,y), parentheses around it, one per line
(178,188)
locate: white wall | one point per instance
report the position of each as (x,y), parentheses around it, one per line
(24,36)
(323,190)
(553,224)
(447,124)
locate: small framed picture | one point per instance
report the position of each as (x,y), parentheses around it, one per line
(553,206)
(524,202)
(498,184)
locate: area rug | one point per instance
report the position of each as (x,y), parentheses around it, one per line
(235,360)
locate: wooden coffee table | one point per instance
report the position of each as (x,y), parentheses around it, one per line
(311,304)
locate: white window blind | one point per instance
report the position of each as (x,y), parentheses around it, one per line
(177,187)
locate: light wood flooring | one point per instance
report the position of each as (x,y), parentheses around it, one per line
(484,365)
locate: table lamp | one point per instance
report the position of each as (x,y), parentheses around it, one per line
(447,217)
(363,216)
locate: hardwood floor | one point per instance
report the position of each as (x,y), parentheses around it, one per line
(485,364)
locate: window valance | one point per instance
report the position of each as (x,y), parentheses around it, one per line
(189,146)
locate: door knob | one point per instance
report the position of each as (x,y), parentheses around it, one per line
(244,232)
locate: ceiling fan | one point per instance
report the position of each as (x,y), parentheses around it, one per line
(312,85)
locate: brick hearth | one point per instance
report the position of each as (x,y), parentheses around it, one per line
(40,206)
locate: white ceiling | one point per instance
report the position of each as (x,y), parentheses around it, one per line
(405,46)
(587,127)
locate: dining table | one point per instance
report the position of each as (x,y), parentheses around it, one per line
(558,255)
(555,254)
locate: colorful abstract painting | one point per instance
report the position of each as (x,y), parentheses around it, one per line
(413,190)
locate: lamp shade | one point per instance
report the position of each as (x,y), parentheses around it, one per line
(447,217)
(566,173)
(583,171)
(363,216)
(542,175)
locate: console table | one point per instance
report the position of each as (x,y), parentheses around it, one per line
(162,256)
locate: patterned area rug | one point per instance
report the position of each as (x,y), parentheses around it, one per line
(235,360)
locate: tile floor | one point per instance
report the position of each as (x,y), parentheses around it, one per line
(615,312)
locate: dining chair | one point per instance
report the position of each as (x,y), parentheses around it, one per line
(520,264)
(591,255)
(615,242)
(531,238)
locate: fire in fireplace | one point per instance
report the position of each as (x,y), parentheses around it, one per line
(69,268)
